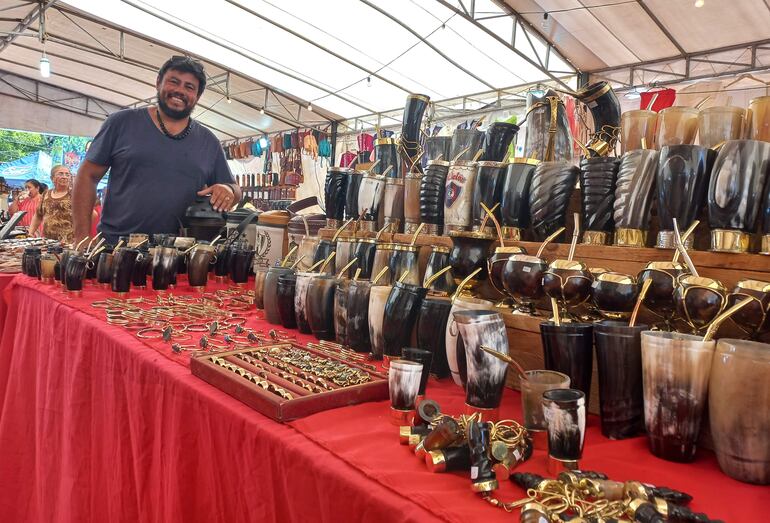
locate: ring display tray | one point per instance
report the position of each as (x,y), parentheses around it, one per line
(267,379)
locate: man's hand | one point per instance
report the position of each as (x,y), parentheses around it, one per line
(222,196)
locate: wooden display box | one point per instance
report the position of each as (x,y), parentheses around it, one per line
(273,405)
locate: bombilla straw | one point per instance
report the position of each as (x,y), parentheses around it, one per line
(507,359)
(390,168)
(416,234)
(342,227)
(555,309)
(686,235)
(478,155)
(293,265)
(460,154)
(327,260)
(436,276)
(464,282)
(371,168)
(286,258)
(379,233)
(486,217)
(683,251)
(714,325)
(346,267)
(642,294)
(575,235)
(80,244)
(98,235)
(549,240)
(380,275)
(490,215)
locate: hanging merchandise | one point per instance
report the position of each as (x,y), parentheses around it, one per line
(347,158)
(663,98)
(365,142)
(310,145)
(287,142)
(324,148)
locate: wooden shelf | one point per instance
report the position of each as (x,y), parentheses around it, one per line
(524,330)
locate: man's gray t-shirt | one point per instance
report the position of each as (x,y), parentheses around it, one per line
(153,178)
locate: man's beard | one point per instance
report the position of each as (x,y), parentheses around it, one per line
(176,114)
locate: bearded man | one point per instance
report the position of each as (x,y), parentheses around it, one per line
(159,160)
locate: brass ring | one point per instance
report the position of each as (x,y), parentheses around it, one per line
(145,333)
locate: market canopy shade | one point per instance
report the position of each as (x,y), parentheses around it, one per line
(308,63)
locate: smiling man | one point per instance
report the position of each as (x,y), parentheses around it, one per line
(159,160)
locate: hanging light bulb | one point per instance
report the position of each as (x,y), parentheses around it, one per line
(262,111)
(700,3)
(368,81)
(310,107)
(229,100)
(45,66)
(544,23)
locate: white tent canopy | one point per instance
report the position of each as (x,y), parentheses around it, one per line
(307,63)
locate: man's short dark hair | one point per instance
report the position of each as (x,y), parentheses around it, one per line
(185,64)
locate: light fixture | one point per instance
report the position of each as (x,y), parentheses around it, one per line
(229,100)
(700,3)
(262,111)
(368,81)
(544,23)
(310,107)
(45,66)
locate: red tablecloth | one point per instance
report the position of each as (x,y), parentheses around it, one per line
(96,425)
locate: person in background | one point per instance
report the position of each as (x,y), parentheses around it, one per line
(28,200)
(55,209)
(43,188)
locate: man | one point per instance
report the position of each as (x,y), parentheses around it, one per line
(159,159)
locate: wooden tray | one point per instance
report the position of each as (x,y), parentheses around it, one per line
(276,407)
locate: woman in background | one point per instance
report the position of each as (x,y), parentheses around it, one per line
(55,209)
(28,201)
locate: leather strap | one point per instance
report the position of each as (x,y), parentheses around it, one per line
(302,204)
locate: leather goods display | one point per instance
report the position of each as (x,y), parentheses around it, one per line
(270,380)
(740,173)
(682,181)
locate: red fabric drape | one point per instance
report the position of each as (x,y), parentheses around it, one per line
(97,425)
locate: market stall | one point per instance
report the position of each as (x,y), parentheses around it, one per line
(171,439)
